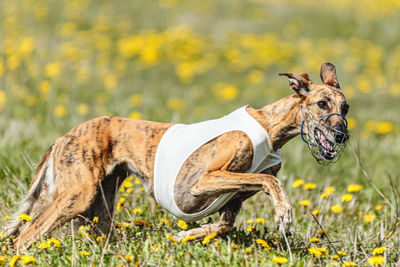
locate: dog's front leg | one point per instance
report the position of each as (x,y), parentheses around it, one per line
(219,182)
(228,215)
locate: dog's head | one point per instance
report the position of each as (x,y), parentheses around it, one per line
(323,108)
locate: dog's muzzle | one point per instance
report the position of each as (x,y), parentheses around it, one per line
(325,142)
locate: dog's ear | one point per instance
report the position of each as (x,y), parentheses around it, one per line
(298,82)
(328,75)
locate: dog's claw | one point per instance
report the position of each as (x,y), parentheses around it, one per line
(283,218)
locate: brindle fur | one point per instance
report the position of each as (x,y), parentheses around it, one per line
(81,173)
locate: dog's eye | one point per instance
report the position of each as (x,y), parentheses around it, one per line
(345,109)
(322,104)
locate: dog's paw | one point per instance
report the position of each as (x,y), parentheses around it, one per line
(283,218)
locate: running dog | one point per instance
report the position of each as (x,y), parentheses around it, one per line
(81,173)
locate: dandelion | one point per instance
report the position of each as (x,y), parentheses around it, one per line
(347,197)
(141,222)
(379,251)
(14,260)
(280,260)
(328,192)
(95,219)
(298,183)
(250,228)
(208,238)
(99,239)
(182,224)
(83,109)
(349,264)
(188,238)
(24,217)
(384,127)
(137,211)
(309,186)
(53,241)
(44,245)
(249,221)
(125,225)
(52,69)
(135,115)
(247,250)
(84,253)
(305,203)
(377,260)
(3,260)
(317,252)
(260,220)
(369,217)
(316,212)
(354,188)
(6,218)
(26,259)
(263,243)
(172,239)
(129,258)
(136,100)
(60,111)
(315,240)
(225,92)
(83,231)
(120,203)
(341,253)
(336,208)
(378,207)
(165,221)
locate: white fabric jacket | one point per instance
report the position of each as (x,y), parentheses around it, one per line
(181,140)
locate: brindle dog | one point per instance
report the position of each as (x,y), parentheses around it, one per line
(103,151)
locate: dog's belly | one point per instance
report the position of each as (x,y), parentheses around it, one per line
(231,151)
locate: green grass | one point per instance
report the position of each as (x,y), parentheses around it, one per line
(64,62)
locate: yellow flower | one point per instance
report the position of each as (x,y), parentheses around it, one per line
(84,253)
(26,259)
(250,228)
(369,217)
(260,220)
(135,115)
(347,197)
(249,221)
(384,127)
(60,111)
(255,76)
(182,224)
(14,260)
(6,218)
(52,69)
(309,186)
(336,208)
(175,104)
(341,253)
(165,221)
(378,207)
(136,100)
(99,239)
(377,260)
(379,251)
(56,243)
(317,252)
(128,258)
(305,203)
(316,212)
(83,231)
(263,243)
(328,192)
(298,183)
(95,219)
(280,260)
(314,240)
(352,123)
(172,239)
(45,87)
(24,217)
(188,238)
(3,260)
(120,203)
(125,225)
(141,222)
(354,188)
(208,238)
(44,245)
(247,250)
(349,264)
(225,92)
(137,211)
(83,109)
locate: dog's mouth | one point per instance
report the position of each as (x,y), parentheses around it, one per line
(326,148)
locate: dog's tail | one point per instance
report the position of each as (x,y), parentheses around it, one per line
(25,206)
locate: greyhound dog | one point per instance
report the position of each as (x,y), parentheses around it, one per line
(80,174)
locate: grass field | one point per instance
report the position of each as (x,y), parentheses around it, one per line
(64,62)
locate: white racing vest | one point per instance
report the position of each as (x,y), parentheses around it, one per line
(181,140)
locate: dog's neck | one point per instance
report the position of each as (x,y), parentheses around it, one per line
(281,119)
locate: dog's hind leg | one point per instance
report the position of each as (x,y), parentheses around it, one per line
(219,182)
(228,215)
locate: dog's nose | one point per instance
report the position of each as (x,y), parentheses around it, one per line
(341,134)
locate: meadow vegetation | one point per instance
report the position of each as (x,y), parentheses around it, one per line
(64,62)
